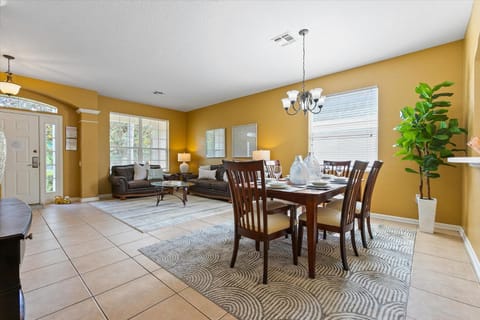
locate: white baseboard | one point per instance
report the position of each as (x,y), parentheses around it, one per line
(89,199)
(468,246)
(471,253)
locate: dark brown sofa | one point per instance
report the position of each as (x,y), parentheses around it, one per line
(211,188)
(123,185)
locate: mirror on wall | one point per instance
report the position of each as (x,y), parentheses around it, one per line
(215,143)
(244,140)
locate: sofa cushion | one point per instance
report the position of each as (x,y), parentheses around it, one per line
(135,184)
(207,174)
(140,171)
(155,174)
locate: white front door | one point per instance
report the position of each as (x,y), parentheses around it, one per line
(22,174)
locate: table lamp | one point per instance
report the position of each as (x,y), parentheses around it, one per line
(184,158)
(261,155)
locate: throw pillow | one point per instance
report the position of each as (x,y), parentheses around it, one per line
(206,174)
(225,176)
(140,171)
(155,174)
(205,167)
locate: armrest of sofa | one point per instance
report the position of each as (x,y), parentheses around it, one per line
(119,184)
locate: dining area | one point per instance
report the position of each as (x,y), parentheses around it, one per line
(331,196)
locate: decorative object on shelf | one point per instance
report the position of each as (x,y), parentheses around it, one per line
(7,86)
(184,158)
(426,134)
(313,166)
(474,143)
(3,154)
(306,101)
(298,171)
(261,155)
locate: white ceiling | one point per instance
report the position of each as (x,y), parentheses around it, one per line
(204,52)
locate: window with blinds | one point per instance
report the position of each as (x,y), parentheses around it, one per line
(347,127)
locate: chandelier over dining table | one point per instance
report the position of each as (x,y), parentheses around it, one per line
(306,101)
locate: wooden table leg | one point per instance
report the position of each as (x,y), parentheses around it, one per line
(184,199)
(311,237)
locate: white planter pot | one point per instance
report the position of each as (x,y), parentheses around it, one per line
(426,214)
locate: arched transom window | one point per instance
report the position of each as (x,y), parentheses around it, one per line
(25,104)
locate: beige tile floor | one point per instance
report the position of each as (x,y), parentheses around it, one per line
(84,264)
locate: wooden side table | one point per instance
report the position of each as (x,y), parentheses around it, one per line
(182,176)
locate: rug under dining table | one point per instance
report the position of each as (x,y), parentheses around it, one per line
(376,287)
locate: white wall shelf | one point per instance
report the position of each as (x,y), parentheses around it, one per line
(472,161)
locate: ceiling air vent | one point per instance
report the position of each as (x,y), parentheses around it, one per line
(284,39)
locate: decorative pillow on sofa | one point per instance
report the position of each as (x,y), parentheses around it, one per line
(206,174)
(153,174)
(140,171)
(204,167)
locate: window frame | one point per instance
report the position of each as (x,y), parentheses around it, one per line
(139,149)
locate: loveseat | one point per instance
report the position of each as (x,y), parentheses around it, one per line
(134,180)
(211,183)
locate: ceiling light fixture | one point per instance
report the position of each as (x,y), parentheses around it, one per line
(306,101)
(7,86)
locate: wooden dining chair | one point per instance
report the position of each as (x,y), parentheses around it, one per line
(337,168)
(362,212)
(342,221)
(252,217)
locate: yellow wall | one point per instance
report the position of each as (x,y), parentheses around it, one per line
(471,192)
(396,79)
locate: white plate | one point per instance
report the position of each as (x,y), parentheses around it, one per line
(319,183)
(278,186)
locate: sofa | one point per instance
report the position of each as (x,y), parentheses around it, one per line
(134,180)
(211,183)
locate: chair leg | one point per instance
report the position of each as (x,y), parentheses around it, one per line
(354,244)
(235,250)
(300,239)
(343,253)
(257,245)
(265,261)
(324,234)
(369,227)
(361,226)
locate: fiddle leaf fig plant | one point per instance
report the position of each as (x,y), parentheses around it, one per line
(426,134)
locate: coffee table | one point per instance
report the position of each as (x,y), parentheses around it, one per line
(170,187)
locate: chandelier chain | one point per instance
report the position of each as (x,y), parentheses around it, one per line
(303,75)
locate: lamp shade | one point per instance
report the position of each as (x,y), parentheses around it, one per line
(184,157)
(261,155)
(9,87)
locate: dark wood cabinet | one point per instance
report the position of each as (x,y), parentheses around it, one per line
(15,221)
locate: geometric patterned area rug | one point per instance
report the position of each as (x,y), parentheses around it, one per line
(376,287)
(142,214)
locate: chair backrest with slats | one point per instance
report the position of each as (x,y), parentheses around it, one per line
(352,193)
(247,188)
(369,186)
(337,168)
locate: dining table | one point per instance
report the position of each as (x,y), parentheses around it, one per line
(310,198)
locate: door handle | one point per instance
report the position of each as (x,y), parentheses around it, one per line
(35,162)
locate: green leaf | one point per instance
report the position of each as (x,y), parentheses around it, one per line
(443,84)
(441,137)
(443,94)
(409,170)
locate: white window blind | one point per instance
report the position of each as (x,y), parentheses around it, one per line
(137,139)
(347,127)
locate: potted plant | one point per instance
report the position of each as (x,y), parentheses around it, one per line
(426,134)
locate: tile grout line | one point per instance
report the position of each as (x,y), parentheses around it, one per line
(78,273)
